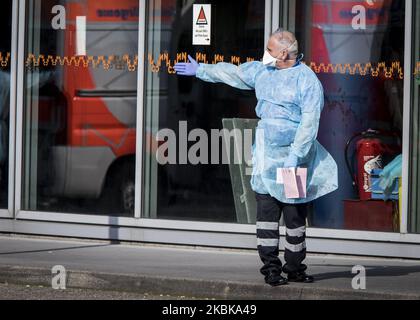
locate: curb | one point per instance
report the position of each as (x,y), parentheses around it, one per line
(197,288)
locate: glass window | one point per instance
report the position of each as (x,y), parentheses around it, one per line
(80,106)
(357,50)
(204,190)
(415,174)
(5,49)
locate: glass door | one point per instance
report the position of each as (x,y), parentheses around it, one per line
(79,112)
(5,97)
(196,184)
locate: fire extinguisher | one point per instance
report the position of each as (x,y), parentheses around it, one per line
(370,151)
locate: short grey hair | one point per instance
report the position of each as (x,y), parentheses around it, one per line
(287,39)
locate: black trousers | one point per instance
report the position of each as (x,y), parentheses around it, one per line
(269,212)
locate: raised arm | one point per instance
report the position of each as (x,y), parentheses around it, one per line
(241,77)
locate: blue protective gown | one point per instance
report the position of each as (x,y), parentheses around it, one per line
(290,102)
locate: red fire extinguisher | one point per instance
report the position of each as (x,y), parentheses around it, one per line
(370,151)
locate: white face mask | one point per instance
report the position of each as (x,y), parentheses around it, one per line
(269,60)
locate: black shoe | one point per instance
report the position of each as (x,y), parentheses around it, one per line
(275,280)
(300,277)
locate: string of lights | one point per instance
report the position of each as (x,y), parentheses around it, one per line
(163,63)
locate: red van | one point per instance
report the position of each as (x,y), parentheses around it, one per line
(95,135)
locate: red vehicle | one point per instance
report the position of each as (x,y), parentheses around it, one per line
(95,134)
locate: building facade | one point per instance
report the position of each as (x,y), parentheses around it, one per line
(100,139)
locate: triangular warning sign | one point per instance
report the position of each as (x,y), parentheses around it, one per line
(202,17)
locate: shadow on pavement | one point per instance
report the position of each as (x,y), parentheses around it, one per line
(371,271)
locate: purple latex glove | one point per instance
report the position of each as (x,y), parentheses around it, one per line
(291,161)
(187,69)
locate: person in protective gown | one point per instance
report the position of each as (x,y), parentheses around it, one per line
(290,102)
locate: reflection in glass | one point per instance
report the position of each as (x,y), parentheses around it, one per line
(360,65)
(80,106)
(203,192)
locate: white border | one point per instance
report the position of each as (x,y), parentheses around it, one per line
(141,74)
(407,116)
(8,213)
(275,23)
(19,106)
(213,227)
(4,213)
(13,102)
(267,21)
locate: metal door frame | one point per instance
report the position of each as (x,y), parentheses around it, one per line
(9,212)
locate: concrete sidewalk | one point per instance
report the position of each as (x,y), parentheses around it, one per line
(203,273)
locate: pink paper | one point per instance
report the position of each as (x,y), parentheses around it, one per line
(291,188)
(302,177)
(295,181)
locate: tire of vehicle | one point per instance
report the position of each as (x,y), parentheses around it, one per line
(119,191)
(127,187)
